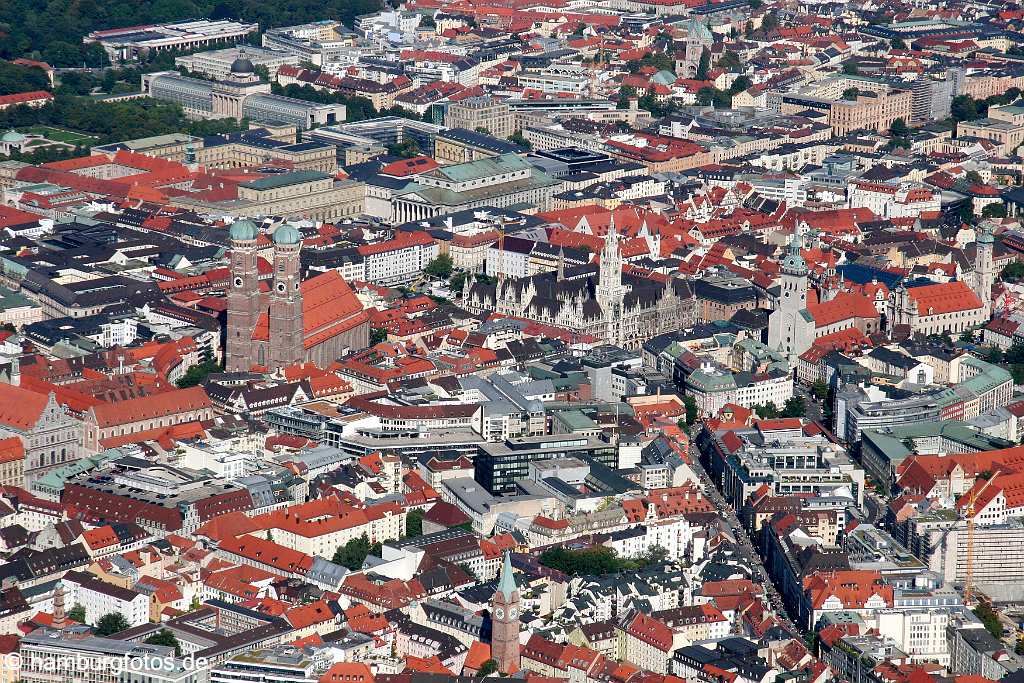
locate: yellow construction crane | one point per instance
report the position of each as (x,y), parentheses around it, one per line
(969,574)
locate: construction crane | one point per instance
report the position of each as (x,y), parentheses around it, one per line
(969,574)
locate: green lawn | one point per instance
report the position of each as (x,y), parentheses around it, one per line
(60,135)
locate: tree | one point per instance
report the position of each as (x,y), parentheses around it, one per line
(740,84)
(850,94)
(414,523)
(730,61)
(167,638)
(897,44)
(714,97)
(487,668)
(111,623)
(353,553)
(594,561)
(795,407)
(899,129)
(989,619)
(196,374)
(519,139)
(406,149)
(1013,271)
(77,613)
(767,411)
(440,267)
(690,403)
(377,336)
(819,390)
(851,69)
(973,177)
(963,108)
(704,64)
(994,211)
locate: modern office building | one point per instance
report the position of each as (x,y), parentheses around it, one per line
(48,655)
(498,466)
(282,664)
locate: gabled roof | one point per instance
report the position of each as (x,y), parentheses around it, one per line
(150,407)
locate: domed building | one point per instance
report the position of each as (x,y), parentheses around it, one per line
(12,141)
(283,320)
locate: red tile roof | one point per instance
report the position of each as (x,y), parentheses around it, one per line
(947,297)
(11,449)
(23,97)
(20,408)
(846,306)
(151,407)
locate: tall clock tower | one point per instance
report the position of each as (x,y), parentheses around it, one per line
(505,622)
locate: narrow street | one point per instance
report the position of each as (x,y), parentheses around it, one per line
(745,546)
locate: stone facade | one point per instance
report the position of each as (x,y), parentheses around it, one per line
(616,308)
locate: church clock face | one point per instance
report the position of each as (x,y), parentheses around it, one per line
(238,282)
(499,613)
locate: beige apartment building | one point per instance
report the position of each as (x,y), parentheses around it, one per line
(871,111)
(482,112)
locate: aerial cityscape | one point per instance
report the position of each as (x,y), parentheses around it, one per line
(567,341)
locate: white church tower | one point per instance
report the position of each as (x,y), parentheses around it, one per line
(610,290)
(790,326)
(983,269)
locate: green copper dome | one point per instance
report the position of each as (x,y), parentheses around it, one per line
(287,234)
(244,231)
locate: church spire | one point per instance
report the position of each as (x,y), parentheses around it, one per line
(560,274)
(507,582)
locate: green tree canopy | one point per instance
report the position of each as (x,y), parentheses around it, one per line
(196,374)
(353,553)
(414,523)
(740,84)
(963,108)
(704,64)
(167,638)
(692,413)
(994,210)
(730,61)
(440,267)
(795,407)
(111,623)
(77,613)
